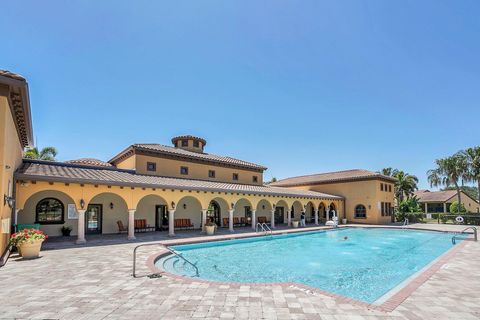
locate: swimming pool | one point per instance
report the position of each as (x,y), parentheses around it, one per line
(367,265)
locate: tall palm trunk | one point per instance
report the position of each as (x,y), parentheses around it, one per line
(459,197)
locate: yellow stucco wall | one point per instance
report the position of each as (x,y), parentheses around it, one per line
(358,192)
(469,203)
(10,155)
(143,200)
(128,163)
(171,168)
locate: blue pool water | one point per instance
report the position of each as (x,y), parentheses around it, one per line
(364,267)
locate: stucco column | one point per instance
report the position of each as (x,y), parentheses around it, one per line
(230,220)
(254,219)
(426,208)
(444,207)
(316,217)
(326,215)
(289,218)
(272,221)
(204,219)
(81,227)
(131,224)
(171,225)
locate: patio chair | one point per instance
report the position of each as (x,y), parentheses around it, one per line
(243,221)
(121,227)
(236,221)
(225,222)
(262,219)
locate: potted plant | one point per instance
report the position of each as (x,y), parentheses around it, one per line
(66,231)
(344,221)
(29,242)
(295,223)
(210,228)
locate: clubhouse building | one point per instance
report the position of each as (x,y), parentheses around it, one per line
(160,188)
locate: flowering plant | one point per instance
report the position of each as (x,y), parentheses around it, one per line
(27,235)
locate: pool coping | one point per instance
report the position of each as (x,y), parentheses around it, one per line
(391,300)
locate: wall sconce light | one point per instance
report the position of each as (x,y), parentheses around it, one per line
(274,206)
(232,204)
(82,203)
(8,201)
(304,206)
(263,207)
(111,205)
(369,207)
(184,206)
(173,205)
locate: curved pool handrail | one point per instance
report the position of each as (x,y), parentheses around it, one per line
(475,237)
(166,248)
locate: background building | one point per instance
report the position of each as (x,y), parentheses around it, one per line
(440,201)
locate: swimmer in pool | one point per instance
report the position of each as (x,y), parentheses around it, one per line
(345,238)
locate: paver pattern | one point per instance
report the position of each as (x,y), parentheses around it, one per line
(95,282)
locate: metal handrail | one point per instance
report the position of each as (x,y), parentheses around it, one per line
(405,223)
(475,236)
(168,249)
(264,227)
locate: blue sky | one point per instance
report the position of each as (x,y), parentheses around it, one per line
(298,86)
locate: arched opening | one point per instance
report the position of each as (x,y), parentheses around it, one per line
(322,212)
(242,213)
(332,211)
(296,210)
(106,213)
(214,213)
(50,209)
(153,209)
(218,210)
(188,213)
(310,212)
(280,210)
(264,211)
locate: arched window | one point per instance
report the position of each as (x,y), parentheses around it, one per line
(360,211)
(49,211)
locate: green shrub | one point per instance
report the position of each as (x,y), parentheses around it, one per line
(454,207)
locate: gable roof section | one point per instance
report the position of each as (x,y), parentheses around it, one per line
(331,177)
(155,149)
(20,105)
(438,196)
(74,173)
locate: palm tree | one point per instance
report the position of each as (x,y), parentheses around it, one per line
(405,185)
(472,156)
(47,153)
(450,171)
(388,171)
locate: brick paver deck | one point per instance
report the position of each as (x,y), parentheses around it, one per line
(95,282)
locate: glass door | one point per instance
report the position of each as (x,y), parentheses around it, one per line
(279,215)
(93,219)
(161,218)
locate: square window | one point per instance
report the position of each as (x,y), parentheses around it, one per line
(184,143)
(151,166)
(235,176)
(211,173)
(183,170)
(381,186)
(255,179)
(196,144)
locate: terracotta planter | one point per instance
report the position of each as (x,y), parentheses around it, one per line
(210,230)
(295,224)
(30,249)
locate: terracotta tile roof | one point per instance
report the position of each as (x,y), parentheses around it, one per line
(90,162)
(434,196)
(328,177)
(11,75)
(74,173)
(185,154)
